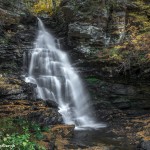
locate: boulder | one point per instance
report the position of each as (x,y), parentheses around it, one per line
(51,103)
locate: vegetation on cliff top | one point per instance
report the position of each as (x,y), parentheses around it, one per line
(43,6)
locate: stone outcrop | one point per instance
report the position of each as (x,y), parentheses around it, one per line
(92,25)
(93,29)
(32,110)
(17,28)
(131,98)
(15,89)
(88,26)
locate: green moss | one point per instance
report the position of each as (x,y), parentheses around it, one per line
(92,80)
(4,41)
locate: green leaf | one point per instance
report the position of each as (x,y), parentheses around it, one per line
(5,139)
(24,144)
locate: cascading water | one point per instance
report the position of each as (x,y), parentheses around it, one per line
(56,80)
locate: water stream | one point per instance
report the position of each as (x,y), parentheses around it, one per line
(58,81)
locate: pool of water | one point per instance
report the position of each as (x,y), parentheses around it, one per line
(101,136)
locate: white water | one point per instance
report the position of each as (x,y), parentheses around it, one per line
(57,80)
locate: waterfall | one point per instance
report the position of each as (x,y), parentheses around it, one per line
(57,80)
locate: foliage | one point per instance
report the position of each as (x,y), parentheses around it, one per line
(19,141)
(140,17)
(134,50)
(46,6)
(20,133)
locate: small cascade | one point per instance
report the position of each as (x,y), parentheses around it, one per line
(121,27)
(58,43)
(56,80)
(107,40)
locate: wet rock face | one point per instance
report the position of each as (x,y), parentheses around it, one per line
(15,89)
(85,36)
(132,99)
(13,45)
(93,24)
(18,30)
(35,111)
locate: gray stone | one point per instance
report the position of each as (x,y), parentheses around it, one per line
(85,30)
(87,35)
(144,145)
